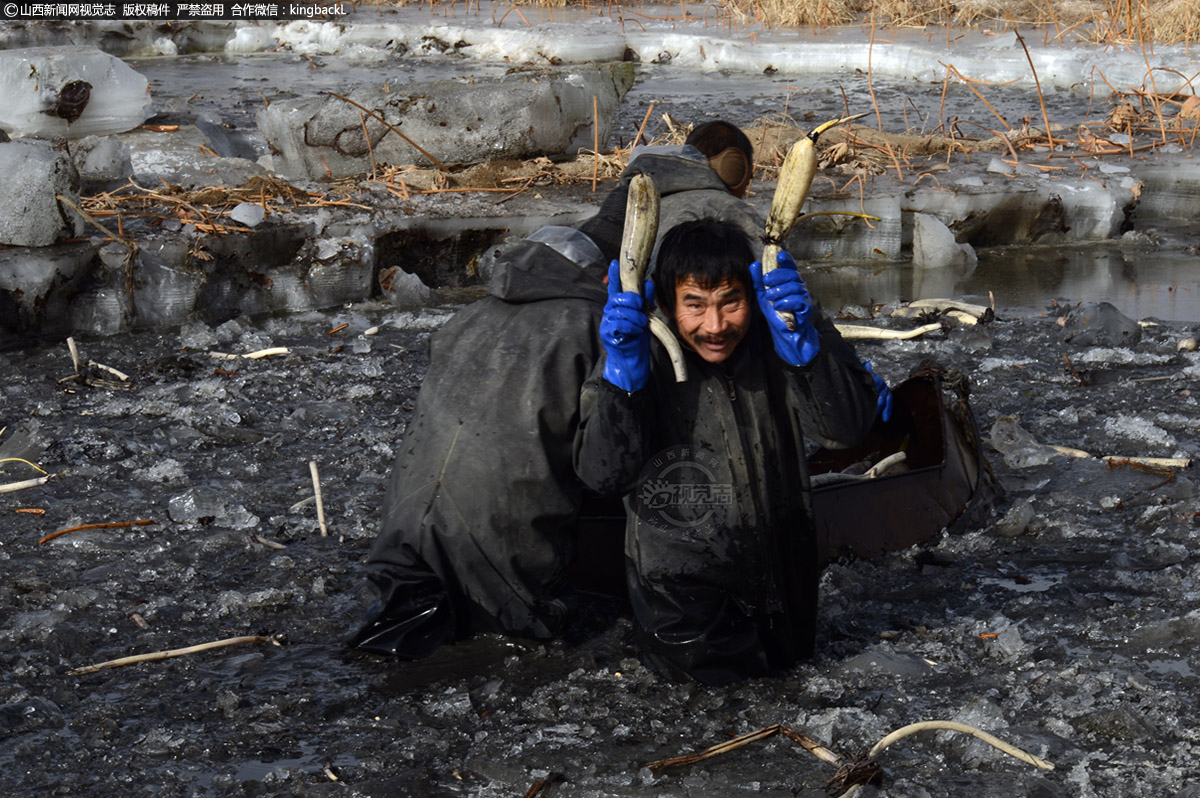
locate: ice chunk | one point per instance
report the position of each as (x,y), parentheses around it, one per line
(24,440)
(69,92)
(840,237)
(35,172)
(251,40)
(203,505)
(230,330)
(1008,645)
(982,714)
(515,117)
(105,310)
(195,504)
(994,363)
(1019,447)
(248,213)
(1168,192)
(1138,430)
(1119,723)
(934,246)
(166,470)
(1100,324)
(404,289)
(1121,356)
(1181,631)
(1015,521)
(999,167)
(102,161)
(254,341)
(164,295)
(186,155)
(197,335)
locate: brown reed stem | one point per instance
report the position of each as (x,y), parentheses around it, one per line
(109,525)
(389,126)
(1036,82)
(870,80)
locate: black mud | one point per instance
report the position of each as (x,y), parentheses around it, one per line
(1069,629)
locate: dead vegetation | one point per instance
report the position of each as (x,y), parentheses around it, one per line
(1112,22)
(1135,122)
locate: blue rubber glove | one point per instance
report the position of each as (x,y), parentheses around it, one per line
(883,405)
(625,334)
(782,289)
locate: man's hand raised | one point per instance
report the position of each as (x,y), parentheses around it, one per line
(625,334)
(783,289)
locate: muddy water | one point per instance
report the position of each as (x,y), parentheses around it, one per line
(1162,285)
(1068,628)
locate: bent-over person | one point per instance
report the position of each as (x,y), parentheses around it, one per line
(479,517)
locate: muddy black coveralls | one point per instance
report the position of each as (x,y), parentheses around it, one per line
(721,555)
(480,513)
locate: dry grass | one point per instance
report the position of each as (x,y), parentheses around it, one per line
(850,156)
(796,13)
(1173,21)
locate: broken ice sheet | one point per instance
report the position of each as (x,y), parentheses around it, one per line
(1139,431)
(32,80)
(248,213)
(204,505)
(1019,447)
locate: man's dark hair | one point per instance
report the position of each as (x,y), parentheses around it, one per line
(708,251)
(729,152)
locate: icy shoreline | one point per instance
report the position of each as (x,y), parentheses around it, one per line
(989,200)
(706,41)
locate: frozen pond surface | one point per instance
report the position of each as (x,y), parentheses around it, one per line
(1068,626)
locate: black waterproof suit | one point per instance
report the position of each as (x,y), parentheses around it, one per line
(722,557)
(480,514)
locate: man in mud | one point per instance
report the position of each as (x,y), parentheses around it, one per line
(721,555)
(480,514)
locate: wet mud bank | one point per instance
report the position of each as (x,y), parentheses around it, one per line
(298,260)
(315,252)
(1065,626)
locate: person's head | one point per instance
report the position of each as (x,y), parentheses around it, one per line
(702,283)
(729,153)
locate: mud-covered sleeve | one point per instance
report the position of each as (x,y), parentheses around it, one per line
(612,439)
(836,392)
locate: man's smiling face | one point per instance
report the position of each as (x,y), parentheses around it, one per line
(712,321)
